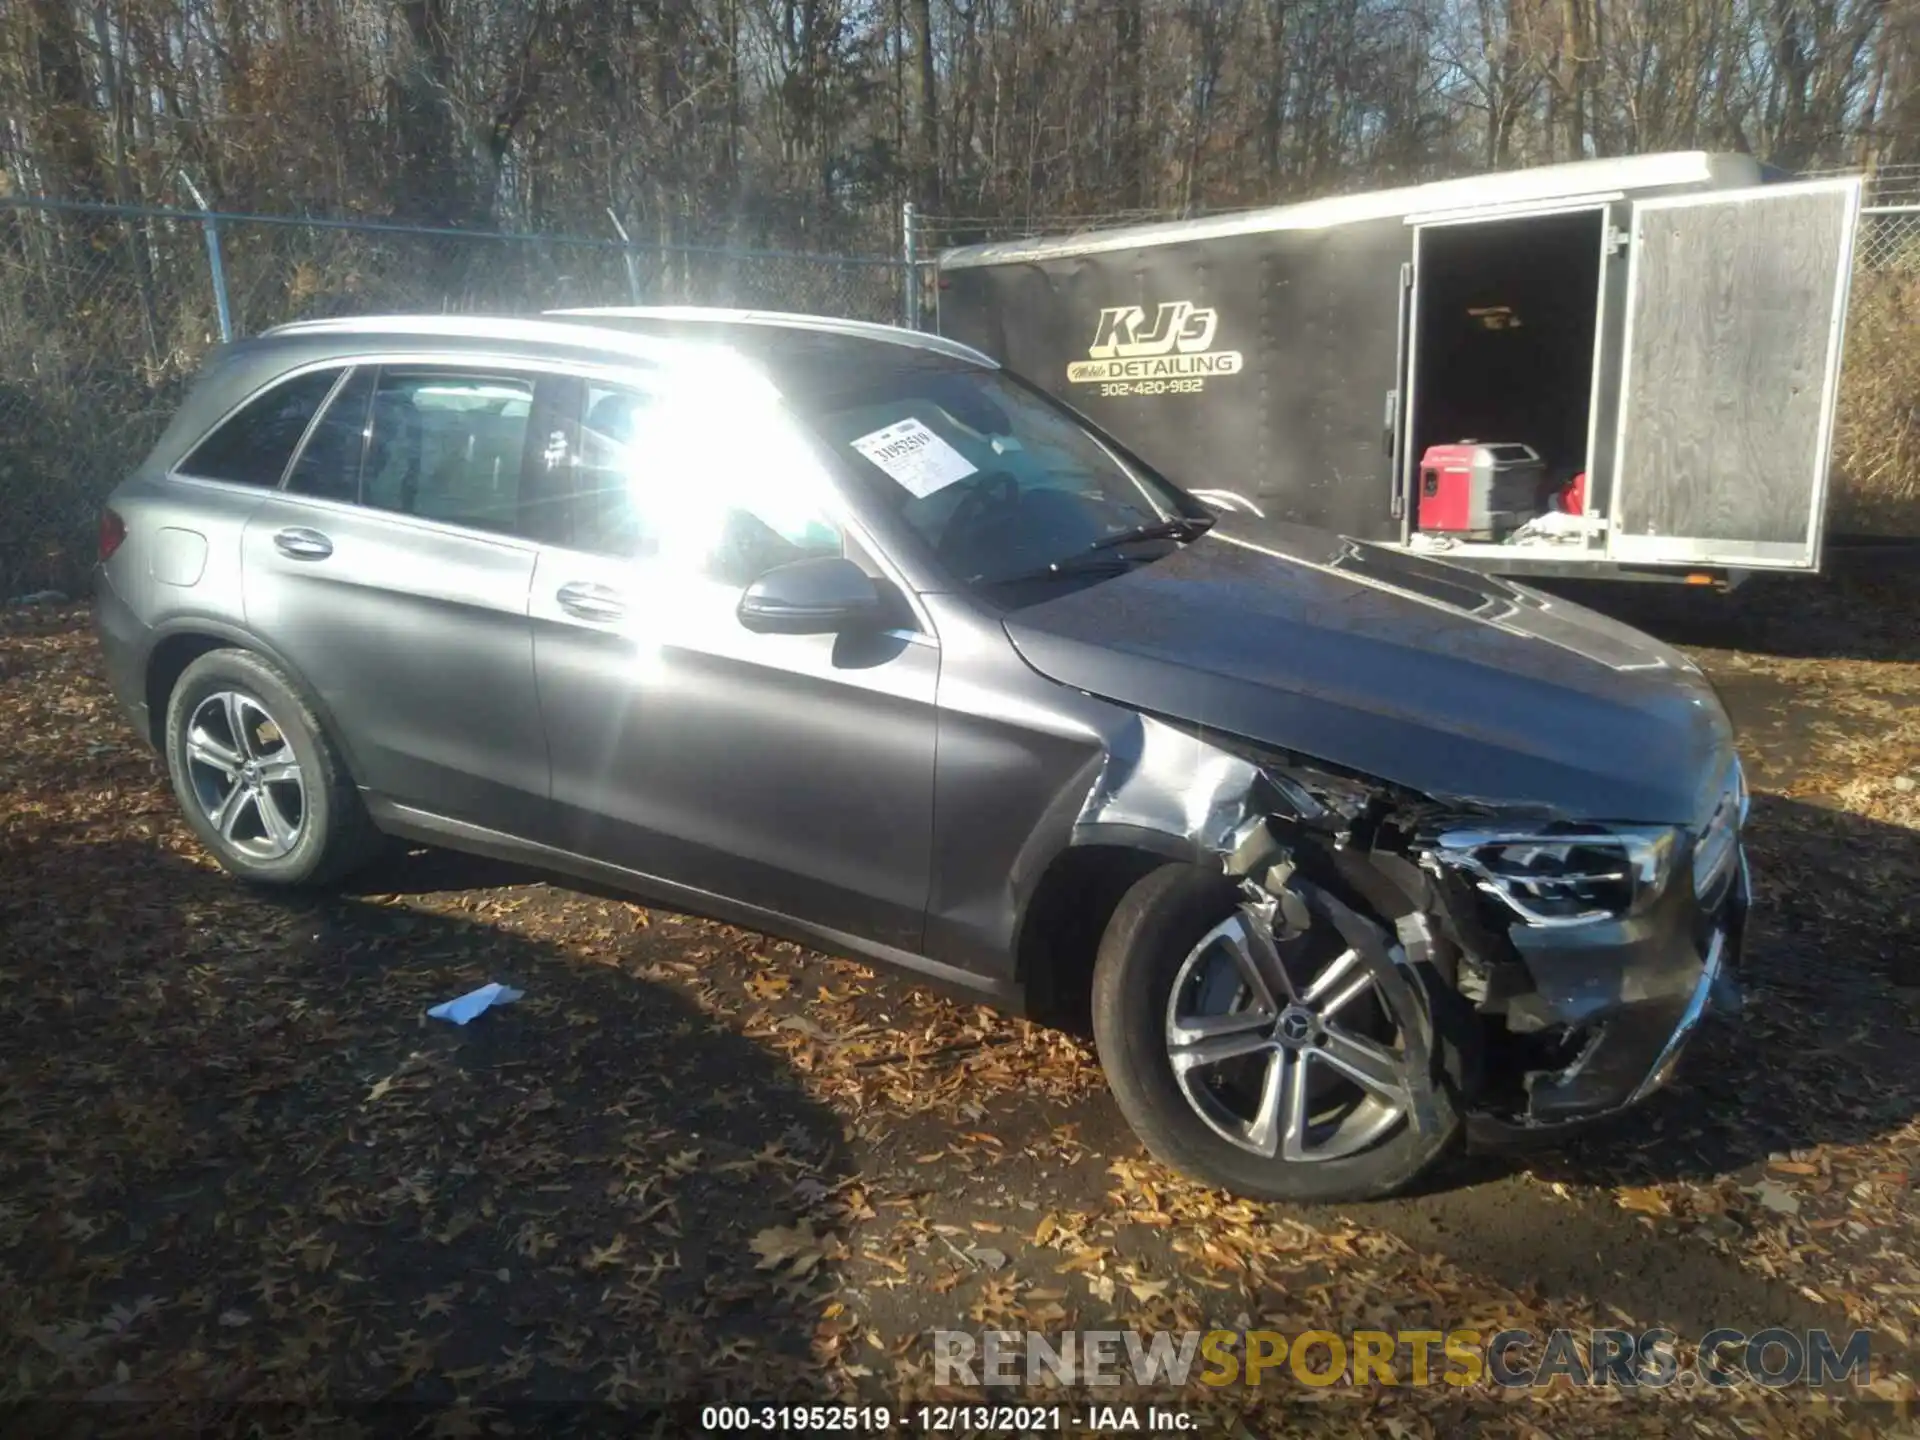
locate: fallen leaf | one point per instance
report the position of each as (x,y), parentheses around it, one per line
(1776,1197)
(602,1256)
(796,1245)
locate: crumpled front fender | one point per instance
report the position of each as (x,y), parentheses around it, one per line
(1165,788)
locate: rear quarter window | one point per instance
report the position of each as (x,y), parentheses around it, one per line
(253,445)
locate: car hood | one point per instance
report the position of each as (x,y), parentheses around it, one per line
(1465,687)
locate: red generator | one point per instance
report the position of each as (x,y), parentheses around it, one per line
(1478,492)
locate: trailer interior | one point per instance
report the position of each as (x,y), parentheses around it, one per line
(1505,313)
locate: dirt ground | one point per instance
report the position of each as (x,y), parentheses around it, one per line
(238,1164)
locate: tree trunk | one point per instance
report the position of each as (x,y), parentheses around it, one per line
(1127,116)
(929,98)
(70,154)
(432,166)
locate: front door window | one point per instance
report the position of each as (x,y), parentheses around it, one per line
(656,481)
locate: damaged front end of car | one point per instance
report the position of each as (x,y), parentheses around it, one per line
(1557,966)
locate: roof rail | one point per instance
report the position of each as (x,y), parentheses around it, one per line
(500,327)
(824,324)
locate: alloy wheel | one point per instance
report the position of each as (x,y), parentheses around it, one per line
(1284,1050)
(245,776)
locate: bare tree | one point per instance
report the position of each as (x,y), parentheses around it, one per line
(803,121)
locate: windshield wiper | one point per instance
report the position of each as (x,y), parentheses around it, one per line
(1175,527)
(1092,561)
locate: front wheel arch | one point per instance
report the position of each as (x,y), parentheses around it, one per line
(1065,915)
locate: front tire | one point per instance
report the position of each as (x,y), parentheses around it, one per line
(1274,1068)
(257,777)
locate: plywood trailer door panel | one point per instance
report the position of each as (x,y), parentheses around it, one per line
(1257,364)
(1736,306)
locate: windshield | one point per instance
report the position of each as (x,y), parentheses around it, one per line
(999,483)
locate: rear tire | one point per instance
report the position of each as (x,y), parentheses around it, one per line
(258,779)
(1152,943)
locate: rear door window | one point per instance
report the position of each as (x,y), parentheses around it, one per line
(329,463)
(253,445)
(449,446)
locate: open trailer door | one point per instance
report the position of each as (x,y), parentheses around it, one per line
(1736,307)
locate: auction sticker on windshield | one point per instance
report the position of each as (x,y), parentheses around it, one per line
(915,457)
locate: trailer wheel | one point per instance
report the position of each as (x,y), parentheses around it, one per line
(1279,1069)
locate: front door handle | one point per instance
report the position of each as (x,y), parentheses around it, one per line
(300,543)
(591,602)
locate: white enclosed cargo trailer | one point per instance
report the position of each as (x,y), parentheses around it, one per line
(1664,330)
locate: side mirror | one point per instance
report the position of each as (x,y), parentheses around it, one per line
(822,596)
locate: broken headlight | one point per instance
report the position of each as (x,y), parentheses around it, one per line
(1557,876)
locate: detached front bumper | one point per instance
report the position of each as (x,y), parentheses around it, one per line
(1623,998)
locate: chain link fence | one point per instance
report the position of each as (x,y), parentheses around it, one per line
(102,318)
(106,313)
(1888,239)
(1876,476)
(276,272)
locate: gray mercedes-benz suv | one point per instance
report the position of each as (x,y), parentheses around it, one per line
(844,633)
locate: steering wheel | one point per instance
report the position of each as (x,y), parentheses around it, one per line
(995,486)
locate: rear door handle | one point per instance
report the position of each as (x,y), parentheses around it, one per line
(300,543)
(591,602)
